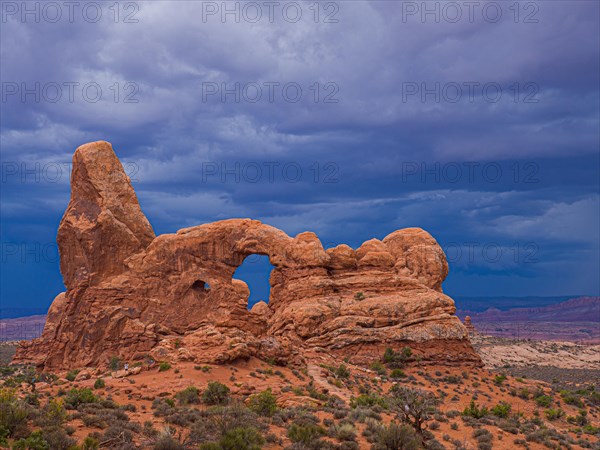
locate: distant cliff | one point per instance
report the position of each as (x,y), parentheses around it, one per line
(581,309)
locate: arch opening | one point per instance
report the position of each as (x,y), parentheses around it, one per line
(255,271)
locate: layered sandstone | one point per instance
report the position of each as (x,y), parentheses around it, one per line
(173,297)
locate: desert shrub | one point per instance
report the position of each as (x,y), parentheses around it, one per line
(166,442)
(379,368)
(452,379)
(90,443)
(114,363)
(571,398)
(305,433)
(502,410)
(452,413)
(57,438)
(53,414)
(342,371)
(368,401)
(343,432)
(543,400)
(164,366)
(593,396)
(314,393)
(71,375)
(499,379)
(190,395)
(210,446)
(523,393)
(218,420)
(3,437)
(591,429)
(243,438)
(580,419)
(359,296)
(33,399)
(35,441)
(396,360)
(484,439)
(76,397)
(13,414)
(99,383)
(397,373)
(216,393)
(264,403)
(553,414)
(473,410)
(120,434)
(396,437)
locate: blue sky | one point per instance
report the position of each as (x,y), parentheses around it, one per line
(349,119)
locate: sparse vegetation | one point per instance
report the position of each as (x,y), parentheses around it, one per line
(234,415)
(264,403)
(216,394)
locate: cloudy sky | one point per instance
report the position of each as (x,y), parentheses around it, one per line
(477,122)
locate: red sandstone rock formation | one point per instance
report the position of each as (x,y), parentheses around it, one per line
(133,295)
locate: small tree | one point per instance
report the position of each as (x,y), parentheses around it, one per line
(413,406)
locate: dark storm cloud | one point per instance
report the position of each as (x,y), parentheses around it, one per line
(366,146)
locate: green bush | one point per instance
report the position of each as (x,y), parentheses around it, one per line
(264,403)
(115,363)
(553,414)
(210,446)
(35,441)
(90,443)
(342,371)
(379,368)
(499,379)
(189,396)
(396,360)
(591,429)
(305,434)
(57,438)
(166,442)
(543,401)
(397,373)
(571,398)
(502,410)
(164,366)
(3,437)
(53,414)
(215,394)
(368,401)
(76,397)
(244,438)
(13,414)
(475,411)
(345,432)
(71,375)
(397,437)
(580,419)
(99,383)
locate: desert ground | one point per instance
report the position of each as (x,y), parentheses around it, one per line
(327,404)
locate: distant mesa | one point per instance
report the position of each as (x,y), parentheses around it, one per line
(135,295)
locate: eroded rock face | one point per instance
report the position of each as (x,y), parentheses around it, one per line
(133,295)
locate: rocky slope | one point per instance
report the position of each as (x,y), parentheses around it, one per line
(172,297)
